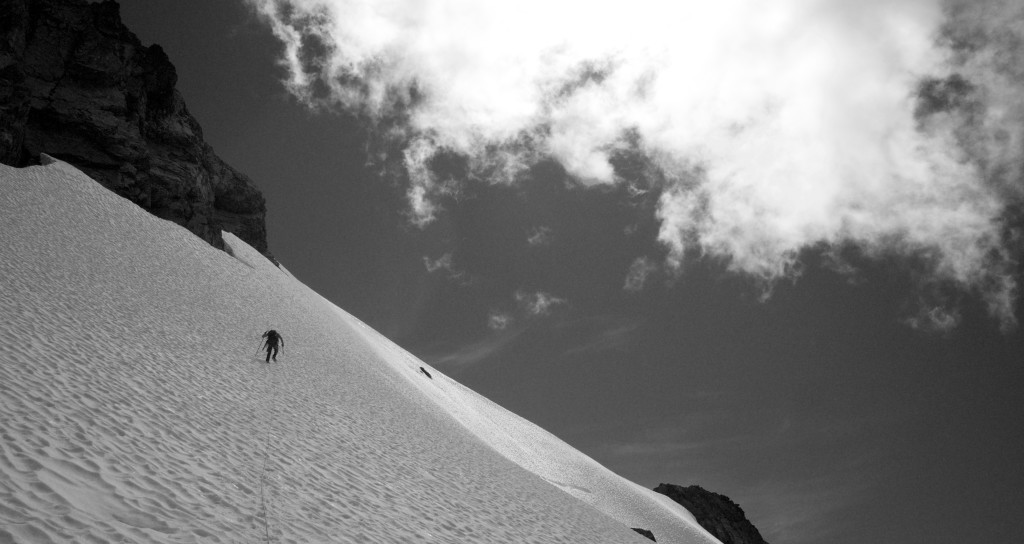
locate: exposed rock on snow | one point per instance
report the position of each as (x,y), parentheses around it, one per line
(646,533)
(78,85)
(715,512)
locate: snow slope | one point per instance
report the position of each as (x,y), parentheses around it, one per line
(133,409)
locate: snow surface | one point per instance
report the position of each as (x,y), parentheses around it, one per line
(135,410)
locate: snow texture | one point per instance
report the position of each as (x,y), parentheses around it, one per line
(134,408)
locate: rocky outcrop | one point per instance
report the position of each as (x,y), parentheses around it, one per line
(717,514)
(77,85)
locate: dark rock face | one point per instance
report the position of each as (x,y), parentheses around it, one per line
(646,533)
(77,85)
(715,513)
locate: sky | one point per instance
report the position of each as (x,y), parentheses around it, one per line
(773,251)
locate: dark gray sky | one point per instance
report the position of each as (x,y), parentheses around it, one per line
(819,410)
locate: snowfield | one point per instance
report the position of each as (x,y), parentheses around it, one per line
(133,407)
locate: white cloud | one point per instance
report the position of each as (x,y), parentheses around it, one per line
(423,186)
(444,262)
(778,125)
(537,303)
(528,305)
(499,321)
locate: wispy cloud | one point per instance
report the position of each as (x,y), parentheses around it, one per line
(598,334)
(499,321)
(537,303)
(527,306)
(934,319)
(446,264)
(481,351)
(539,236)
(639,271)
(895,126)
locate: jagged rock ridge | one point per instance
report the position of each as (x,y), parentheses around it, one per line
(76,84)
(716,513)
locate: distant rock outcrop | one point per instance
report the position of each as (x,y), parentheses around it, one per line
(75,83)
(715,513)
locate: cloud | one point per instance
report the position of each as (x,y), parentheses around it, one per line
(537,303)
(934,319)
(503,333)
(481,351)
(446,263)
(775,126)
(499,321)
(539,236)
(639,271)
(604,335)
(423,189)
(528,305)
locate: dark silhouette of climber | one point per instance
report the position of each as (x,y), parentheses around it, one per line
(271,339)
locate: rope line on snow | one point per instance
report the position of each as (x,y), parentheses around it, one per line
(266,453)
(263,500)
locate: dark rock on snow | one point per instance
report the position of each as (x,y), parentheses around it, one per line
(717,514)
(645,533)
(77,85)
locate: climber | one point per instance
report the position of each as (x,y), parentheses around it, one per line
(271,339)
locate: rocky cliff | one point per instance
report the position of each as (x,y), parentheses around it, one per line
(715,513)
(77,85)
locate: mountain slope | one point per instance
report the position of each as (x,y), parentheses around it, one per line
(134,408)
